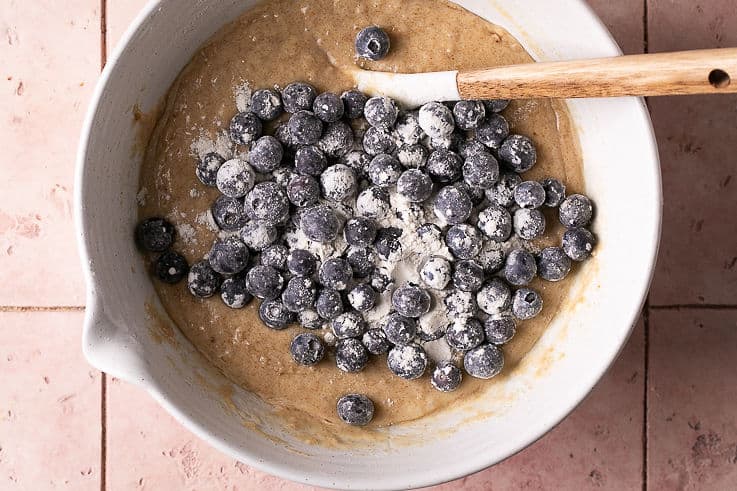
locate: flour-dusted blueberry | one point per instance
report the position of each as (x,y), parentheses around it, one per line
(336,273)
(264,282)
(171,267)
(464,241)
(500,329)
(496,105)
(348,325)
(491,257)
(518,152)
(444,165)
(275,256)
(436,120)
(375,341)
(372,43)
(496,222)
(303,191)
(202,280)
(351,355)
(469,147)
(336,139)
(408,129)
(275,315)
(234,293)
(266,154)
(362,261)
(452,205)
(430,235)
(298,96)
(154,234)
(282,175)
(576,211)
(384,170)
(362,297)
(228,213)
(399,329)
(258,235)
(493,131)
(481,170)
(526,303)
(449,142)
(373,202)
(338,182)
(301,262)
(266,104)
(358,161)
(461,304)
(381,112)
(360,231)
(355,409)
(353,102)
(329,303)
(328,107)
(465,335)
(310,160)
(414,185)
(407,361)
(555,191)
(446,376)
(484,362)
(377,141)
(267,202)
(207,168)
(229,256)
(412,156)
(502,192)
(299,294)
(553,264)
(305,127)
(529,224)
(469,114)
(411,301)
(307,349)
(476,194)
(468,275)
(494,297)
(529,194)
(245,127)
(387,244)
(578,243)
(520,267)
(281,133)
(319,223)
(235,178)
(435,272)
(309,319)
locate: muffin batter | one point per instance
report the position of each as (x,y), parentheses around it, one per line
(281,41)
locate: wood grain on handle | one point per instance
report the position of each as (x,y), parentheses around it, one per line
(706,71)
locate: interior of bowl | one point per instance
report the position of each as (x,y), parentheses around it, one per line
(128,335)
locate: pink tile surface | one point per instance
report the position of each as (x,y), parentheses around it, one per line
(692,430)
(50,56)
(120,13)
(49,404)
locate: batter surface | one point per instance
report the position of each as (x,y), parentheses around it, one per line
(278,42)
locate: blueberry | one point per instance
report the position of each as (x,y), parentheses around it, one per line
(202,280)
(496,105)
(228,213)
(358,161)
(491,257)
(375,342)
(496,222)
(412,156)
(234,293)
(500,330)
(235,178)
(328,107)
(336,273)
(444,165)
(267,202)
(266,154)
(373,202)
(319,223)
(481,170)
(408,128)
(384,170)
(399,329)
(553,264)
(310,160)
(245,128)
(388,245)
(154,234)
(578,243)
(493,131)
(299,294)
(275,256)
(494,297)
(430,235)
(464,241)
(338,182)
(381,112)
(469,114)
(555,191)
(520,267)
(348,325)
(450,142)
(353,102)
(303,191)
(351,355)
(485,361)
(502,193)
(309,319)
(529,224)
(377,141)
(436,120)
(575,211)
(407,361)
(355,409)
(471,147)
(435,272)
(329,304)
(275,315)
(307,349)
(281,133)
(305,128)
(336,139)
(529,194)
(266,104)
(171,267)
(526,303)
(476,194)
(264,282)
(301,262)
(360,231)
(229,256)
(372,43)
(411,301)
(414,185)
(282,175)
(468,275)
(519,153)
(453,205)
(446,377)
(465,335)
(298,96)
(258,235)
(362,297)
(362,261)
(207,168)
(461,304)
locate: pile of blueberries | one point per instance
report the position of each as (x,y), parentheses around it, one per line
(327,149)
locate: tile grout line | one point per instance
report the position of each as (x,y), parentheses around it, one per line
(646,310)
(695,306)
(103,378)
(32,308)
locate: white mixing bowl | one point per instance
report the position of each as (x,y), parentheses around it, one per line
(622,175)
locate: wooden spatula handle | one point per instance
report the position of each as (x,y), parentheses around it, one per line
(706,71)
